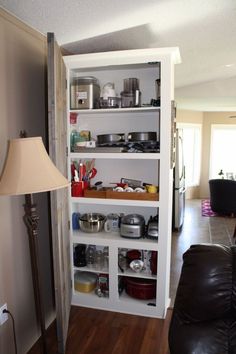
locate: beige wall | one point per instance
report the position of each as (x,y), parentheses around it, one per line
(206,119)
(210,118)
(22,102)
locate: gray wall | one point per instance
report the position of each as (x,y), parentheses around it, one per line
(22,102)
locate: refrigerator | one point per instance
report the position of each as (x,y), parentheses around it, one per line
(179,182)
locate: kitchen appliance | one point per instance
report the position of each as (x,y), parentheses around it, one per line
(132,226)
(152,228)
(92,222)
(179,183)
(142,136)
(110,139)
(84,92)
(85,282)
(143,289)
(131,96)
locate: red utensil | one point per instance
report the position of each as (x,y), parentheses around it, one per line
(92,173)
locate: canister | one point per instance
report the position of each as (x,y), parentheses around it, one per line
(85,282)
(84,92)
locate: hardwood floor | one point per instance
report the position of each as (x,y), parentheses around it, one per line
(104,332)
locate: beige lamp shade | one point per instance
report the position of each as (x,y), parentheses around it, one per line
(29,169)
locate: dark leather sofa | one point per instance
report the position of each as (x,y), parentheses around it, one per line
(204,313)
(223,196)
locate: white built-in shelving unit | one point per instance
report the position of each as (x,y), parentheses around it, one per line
(156,168)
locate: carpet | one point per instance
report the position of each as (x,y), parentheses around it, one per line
(206,208)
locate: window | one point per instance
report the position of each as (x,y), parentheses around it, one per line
(191,152)
(222,153)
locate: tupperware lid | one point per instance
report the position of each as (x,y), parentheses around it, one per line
(85,277)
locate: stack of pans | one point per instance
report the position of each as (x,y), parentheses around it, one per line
(118,139)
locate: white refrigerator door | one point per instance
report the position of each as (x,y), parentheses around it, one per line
(179,207)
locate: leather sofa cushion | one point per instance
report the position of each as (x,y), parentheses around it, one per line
(210,337)
(205,286)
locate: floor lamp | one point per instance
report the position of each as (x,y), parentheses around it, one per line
(27,170)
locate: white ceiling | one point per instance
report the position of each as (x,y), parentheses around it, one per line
(204,30)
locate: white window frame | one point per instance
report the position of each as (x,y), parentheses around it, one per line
(215,127)
(197,154)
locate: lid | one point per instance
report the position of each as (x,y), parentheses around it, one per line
(85,277)
(140,281)
(85,80)
(133,219)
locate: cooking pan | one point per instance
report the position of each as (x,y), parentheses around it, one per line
(142,136)
(110,138)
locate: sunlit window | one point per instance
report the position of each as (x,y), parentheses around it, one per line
(192,152)
(222,153)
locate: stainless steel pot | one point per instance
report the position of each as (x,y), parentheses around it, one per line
(142,136)
(92,222)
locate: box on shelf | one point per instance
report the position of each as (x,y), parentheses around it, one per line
(108,193)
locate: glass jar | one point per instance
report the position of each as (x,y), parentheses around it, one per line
(90,255)
(99,260)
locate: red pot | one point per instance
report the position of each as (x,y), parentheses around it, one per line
(138,288)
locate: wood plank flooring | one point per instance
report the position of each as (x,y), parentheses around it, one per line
(104,332)
(94,331)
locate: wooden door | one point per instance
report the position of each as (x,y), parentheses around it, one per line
(59,199)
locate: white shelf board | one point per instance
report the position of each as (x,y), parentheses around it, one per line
(114,239)
(101,201)
(93,270)
(125,298)
(132,274)
(115,155)
(115,110)
(87,299)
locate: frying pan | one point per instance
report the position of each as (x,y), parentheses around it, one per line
(110,138)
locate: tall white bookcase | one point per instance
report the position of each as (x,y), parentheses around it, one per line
(156,168)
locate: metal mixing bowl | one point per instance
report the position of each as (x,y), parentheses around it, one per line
(92,222)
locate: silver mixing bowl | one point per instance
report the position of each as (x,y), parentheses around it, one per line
(92,222)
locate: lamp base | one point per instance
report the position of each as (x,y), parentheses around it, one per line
(31,220)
